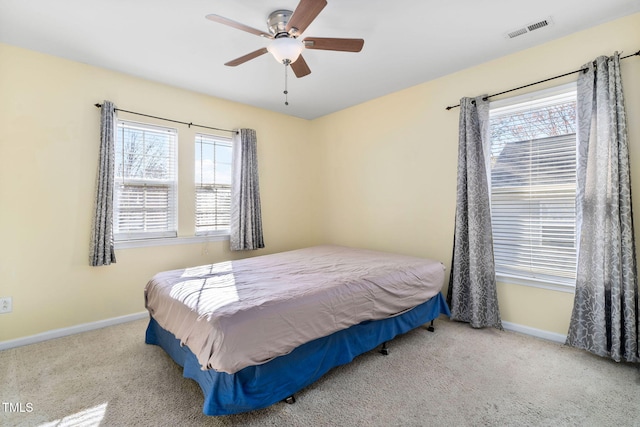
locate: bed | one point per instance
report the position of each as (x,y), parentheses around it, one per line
(255,331)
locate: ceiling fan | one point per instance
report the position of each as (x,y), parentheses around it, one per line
(285,27)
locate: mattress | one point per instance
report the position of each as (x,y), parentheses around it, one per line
(244,313)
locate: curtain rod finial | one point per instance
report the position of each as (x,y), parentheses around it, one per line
(98,105)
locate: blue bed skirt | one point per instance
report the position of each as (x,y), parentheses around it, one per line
(259,386)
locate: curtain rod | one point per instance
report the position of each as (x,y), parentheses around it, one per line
(170,120)
(541,81)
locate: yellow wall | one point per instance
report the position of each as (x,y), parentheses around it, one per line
(380,175)
(390,164)
(49,138)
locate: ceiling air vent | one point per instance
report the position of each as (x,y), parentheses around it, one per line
(537,25)
(528,28)
(517,33)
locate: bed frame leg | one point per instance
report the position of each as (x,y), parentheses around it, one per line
(384,350)
(430,328)
(290,400)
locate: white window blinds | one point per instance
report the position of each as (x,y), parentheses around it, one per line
(533,186)
(145,182)
(213,184)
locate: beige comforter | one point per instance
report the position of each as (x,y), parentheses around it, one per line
(240,313)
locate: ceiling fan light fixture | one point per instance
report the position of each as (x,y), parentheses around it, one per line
(286,50)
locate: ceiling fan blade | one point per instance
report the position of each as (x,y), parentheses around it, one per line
(300,67)
(305,13)
(226,21)
(247,57)
(343,45)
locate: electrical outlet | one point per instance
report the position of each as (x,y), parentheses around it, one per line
(6,305)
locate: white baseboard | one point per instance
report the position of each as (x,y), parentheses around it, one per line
(63,332)
(539,333)
(58,333)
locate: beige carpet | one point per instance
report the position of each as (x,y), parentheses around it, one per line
(456,376)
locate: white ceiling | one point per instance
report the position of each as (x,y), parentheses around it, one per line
(407,42)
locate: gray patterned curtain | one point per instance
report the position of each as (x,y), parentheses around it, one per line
(605,312)
(472,294)
(101,248)
(246,217)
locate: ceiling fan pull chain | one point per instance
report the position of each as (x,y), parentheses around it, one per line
(286,90)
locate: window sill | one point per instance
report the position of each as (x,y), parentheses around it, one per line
(536,284)
(169,241)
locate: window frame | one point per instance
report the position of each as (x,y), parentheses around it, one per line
(127,238)
(538,282)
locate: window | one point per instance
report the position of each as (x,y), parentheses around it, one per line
(145,182)
(533,188)
(213,184)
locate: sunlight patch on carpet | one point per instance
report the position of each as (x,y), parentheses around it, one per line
(88,418)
